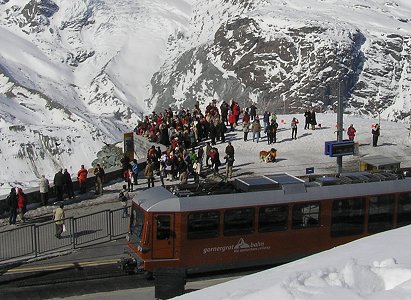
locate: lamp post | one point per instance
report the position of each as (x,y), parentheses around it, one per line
(340,126)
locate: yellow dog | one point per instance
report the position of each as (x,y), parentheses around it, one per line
(268,156)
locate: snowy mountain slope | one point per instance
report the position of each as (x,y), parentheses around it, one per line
(74,74)
(80,73)
(298,53)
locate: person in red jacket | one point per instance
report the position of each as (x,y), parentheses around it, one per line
(21,203)
(351,132)
(231,120)
(236,111)
(82,178)
(246,117)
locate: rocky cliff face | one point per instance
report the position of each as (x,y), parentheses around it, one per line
(291,68)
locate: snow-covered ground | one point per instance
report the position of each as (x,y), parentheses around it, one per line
(294,156)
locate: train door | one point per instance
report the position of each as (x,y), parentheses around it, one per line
(163,236)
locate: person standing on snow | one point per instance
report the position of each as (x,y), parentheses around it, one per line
(82,178)
(294,123)
(12,203)
(229,157)
(134,170)
(99,177)
(313,120)
(44,190)
(351,132)
(375,134)
(149,173)
(68,184)
(253,112)
(307,116)
(21,203)
(256,128)
(58,184)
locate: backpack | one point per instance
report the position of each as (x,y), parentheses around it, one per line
(122,197)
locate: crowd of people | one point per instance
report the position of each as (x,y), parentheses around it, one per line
(63,186)
(190,138)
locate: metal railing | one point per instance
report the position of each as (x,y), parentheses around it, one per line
(36,240)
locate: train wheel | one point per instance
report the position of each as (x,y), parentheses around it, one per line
(148,275)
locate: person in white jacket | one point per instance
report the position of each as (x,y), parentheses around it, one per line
(44,190)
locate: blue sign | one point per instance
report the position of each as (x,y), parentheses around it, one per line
(309,170)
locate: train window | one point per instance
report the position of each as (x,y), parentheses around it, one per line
(404,210)
(273,218)
(202,225)
(347,217)
(381,213)
(306,215)
(239,221)
(163,227)
(136,223)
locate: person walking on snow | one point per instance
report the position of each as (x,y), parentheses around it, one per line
(124,196)
(59,220)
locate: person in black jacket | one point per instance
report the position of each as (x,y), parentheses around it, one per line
(68,184)
(253,112)
(307,116)
(229,150)
(58,185)
(375,134)
(12,203)
(313,120)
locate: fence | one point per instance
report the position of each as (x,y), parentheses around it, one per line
(36,240)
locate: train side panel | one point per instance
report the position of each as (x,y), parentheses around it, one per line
(227,238)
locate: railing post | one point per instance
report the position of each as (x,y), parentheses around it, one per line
(110,224)
(71,222)
(74,232)
(35,242)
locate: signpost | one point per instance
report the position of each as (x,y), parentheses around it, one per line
(129,145)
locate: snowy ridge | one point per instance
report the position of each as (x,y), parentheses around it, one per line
(81,72)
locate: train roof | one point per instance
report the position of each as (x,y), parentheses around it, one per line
(288,189)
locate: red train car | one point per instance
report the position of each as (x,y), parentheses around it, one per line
(260,220)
